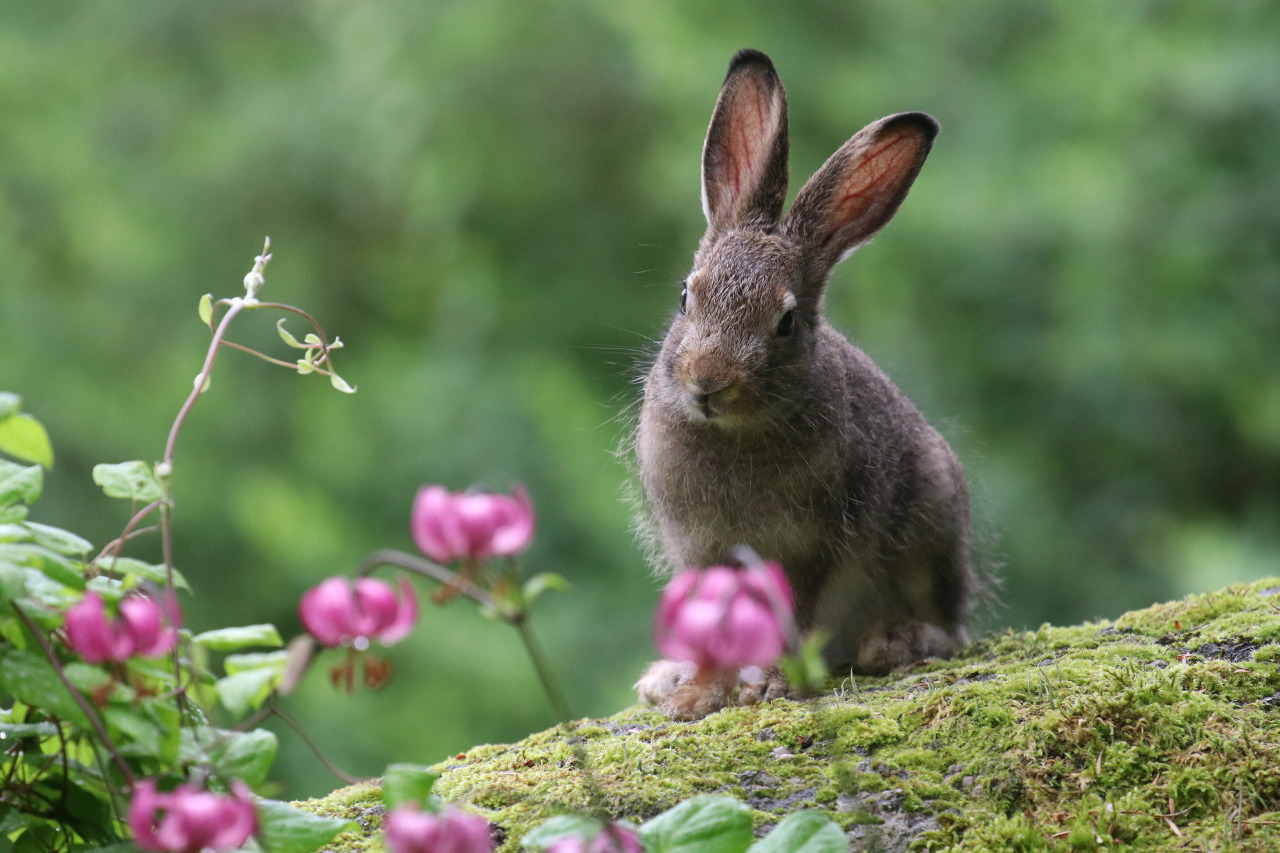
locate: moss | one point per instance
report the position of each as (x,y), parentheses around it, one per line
(1157,731)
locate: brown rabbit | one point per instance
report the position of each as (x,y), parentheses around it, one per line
(762,426)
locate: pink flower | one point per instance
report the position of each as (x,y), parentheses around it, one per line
(338,611)
(449,527)
(612,839)
(193,819)
(725,618)
(138,630)
(451,831)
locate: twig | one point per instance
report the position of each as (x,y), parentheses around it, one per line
(128,532)
(311,744)
(399,559)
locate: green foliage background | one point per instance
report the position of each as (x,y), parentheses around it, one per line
(493,203)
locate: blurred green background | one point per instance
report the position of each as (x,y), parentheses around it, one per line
(493,203)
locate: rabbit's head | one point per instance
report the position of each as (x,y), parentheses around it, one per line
(741,350)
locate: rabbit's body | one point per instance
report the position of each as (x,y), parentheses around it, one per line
(762,426)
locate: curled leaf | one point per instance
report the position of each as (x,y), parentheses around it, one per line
(206,309)
(286,336)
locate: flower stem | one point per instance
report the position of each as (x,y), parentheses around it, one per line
(539,661)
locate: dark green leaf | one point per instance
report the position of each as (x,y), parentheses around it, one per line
(287,829)
(700,825)
(803,832)
(19,483)
(130,480)
(23,437)
(230,639)
(31,679)
(407,783)
(246,755)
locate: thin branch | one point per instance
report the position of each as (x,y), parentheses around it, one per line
(401,560)
(311,744)
(129,531)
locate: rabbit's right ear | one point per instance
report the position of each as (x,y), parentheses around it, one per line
(744,161)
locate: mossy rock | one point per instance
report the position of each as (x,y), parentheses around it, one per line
(1158,731)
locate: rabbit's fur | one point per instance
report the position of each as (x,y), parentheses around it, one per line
(761,425)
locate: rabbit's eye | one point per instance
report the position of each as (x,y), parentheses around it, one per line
(786,324)
(684,299)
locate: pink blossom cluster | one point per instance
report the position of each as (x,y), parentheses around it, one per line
(138,629)
(452,830)
(190,820)
(725,618)
(341,611)
(474,526)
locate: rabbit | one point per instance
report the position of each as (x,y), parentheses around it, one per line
(762,426)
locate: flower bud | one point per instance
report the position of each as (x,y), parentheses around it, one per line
(451,831)
(190,820)
(725,618)
(139,628)
(338,611)
(449,527)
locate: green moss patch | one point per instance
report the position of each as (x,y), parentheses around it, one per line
(1158,731)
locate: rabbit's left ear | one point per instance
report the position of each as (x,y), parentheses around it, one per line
(859,189)
(744,161)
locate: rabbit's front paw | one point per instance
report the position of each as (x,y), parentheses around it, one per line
(889,646)
(706,692)
(661,678)
(763,686)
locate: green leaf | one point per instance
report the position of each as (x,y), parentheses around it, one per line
(286,336)
(131,480)
(243,755)
(30,678)
(133,733)
(12,581)
(246,691)
(205,308)
(12,514)
(137,569)
(15,731)
(255,660)
(57,539)
(535,586)
(803,832)
(700,825)
(24,437)
(19,483)
(340,384)
(561,826)
(407,783)
(287,829)
(10,404)
(51,563)
(230,639)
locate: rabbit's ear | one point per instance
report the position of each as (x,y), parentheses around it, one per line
(858,190)
(744,161)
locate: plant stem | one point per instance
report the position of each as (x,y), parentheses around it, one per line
(311,744)
(426,568)
(539,661)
